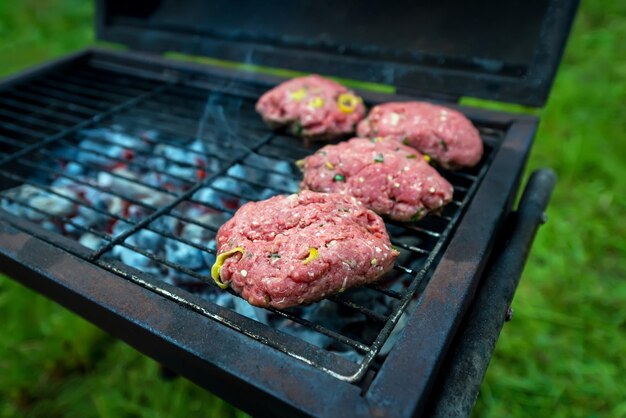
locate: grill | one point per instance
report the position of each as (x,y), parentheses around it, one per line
(117,170)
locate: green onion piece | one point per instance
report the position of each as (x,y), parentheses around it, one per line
(418,215)
(411,156)
(296,128)
(379,159)
(339,177)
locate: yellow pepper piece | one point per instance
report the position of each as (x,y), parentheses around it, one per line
(219,261)
(316,102)
(427,158)
(329,165)
(313,254)
(299,94)
(348,102)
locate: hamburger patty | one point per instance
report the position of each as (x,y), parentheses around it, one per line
(388,177)
(312,107)
(446,135)
(297,249)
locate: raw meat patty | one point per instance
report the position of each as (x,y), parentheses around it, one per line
(446,135)
(312,107)
(296,249)
(388,177)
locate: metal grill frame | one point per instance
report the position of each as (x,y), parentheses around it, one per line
(166,329)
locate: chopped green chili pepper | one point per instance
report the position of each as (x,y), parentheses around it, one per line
(299,94)
(219,262)
(411,156)
(339,177)
(348,102)
(313,254)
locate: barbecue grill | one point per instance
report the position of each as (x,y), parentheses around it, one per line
(117,169)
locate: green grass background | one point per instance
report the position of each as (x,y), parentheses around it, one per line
(564,353)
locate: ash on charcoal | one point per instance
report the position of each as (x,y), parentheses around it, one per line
(46,204)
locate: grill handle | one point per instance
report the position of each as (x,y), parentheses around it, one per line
(463,372)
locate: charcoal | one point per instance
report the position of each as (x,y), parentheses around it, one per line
(183,254)
(74,169)
(51,226)
(91,241)
(53,204)
(105,155)
(242,307)
(147,240)
(134,259)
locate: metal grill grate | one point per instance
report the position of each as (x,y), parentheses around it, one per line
(172,159)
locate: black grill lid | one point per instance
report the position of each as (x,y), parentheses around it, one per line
(506,50)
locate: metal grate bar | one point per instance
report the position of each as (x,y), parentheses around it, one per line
(403,269)
(164,209)
(116,217)
(246,115)
(67,97)
(185,124)
(323,330)
(86,92)
(23,130)
(97,85)
(185,139)
(121,79)
(31,120)
(383,290)
(50,101)
(84,183)
(42,111)
(410,247)
(129,162)
(64,220)
(113,110)
(12,142)
(111,215)
(365,311)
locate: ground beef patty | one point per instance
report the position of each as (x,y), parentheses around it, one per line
(446,135)
(296,249)
(312,107)
(388,177)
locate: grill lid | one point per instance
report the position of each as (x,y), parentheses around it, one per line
(506,50)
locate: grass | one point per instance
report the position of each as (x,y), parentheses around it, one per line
(563,353)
